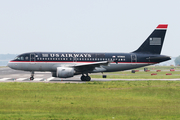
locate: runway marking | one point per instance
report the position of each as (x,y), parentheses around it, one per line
(49,78)
(43,72)
(37,79)
(39,75)
(15,75)
(3,79)
(21,79)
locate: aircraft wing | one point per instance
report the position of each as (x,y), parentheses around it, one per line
(90,66)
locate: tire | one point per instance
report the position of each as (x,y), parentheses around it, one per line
(31,78)
(104,76)
(82,78)
(85,78)
(88,78)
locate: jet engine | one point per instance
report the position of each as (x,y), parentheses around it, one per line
(63,72)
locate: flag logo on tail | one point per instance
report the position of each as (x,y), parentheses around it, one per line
(155,41)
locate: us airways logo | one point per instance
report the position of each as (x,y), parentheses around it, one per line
(67,55)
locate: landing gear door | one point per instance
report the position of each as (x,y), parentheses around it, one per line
(32,58)
(133,59)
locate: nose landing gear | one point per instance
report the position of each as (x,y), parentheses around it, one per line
(32,75)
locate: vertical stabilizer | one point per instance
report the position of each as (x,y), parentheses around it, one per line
(153,44)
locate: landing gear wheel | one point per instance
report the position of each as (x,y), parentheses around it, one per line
(88,78)
(32,75)
(31,78)
(85,78)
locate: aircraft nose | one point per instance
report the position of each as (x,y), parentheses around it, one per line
(10,65)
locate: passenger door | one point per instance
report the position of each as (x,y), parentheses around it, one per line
(133,59)
(32,58)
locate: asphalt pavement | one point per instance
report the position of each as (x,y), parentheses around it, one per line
(9,75)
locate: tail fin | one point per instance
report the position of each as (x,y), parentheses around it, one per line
(153,44)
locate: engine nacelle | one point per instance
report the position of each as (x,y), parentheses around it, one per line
(63,72)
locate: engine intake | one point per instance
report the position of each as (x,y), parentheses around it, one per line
(63,72)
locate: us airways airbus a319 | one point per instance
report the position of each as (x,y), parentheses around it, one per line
(68,64)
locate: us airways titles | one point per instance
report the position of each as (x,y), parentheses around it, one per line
(66,55)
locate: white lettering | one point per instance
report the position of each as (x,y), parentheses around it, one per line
(57,55)
(89,55)
(67,55)
(85,55)
(52,55)
(62,55)
(70,55)
(81,55)
(76,55)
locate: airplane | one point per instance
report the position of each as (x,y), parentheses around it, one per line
(68,64)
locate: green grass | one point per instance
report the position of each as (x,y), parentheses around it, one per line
(92,100)
(2,66)
(143,75)
(139,75)
(154,67)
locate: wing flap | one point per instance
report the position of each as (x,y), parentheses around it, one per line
(86,67)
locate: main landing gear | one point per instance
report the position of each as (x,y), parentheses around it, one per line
(32,75)
(85,78)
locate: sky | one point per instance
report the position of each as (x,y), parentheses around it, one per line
(86,25)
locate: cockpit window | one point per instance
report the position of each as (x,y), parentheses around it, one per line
(22,58)
(17,58)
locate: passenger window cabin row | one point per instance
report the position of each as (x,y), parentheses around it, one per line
(70,59)
(80,59)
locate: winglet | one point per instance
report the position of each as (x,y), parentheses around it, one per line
(162,26)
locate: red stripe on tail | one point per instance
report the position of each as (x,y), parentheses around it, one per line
(162,26)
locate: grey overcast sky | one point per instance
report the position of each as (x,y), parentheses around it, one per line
(86,25)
